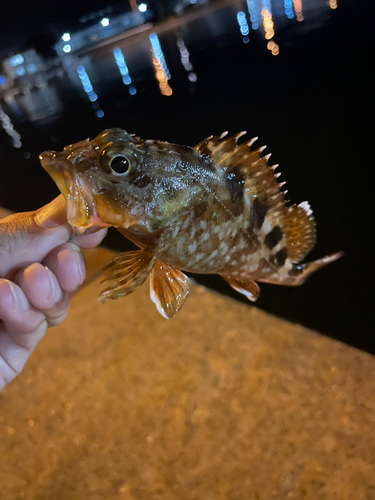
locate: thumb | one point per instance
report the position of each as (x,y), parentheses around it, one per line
(30,236)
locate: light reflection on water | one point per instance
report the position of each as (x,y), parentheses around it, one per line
(100,69)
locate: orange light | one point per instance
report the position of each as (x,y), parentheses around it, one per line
(161,76)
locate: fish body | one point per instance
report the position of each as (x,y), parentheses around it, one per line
(216,208)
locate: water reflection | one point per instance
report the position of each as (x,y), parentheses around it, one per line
(124,71)
(161,69)
(244,27)
(37,97)
(297,4)
(267,23)
(332,4)
(253,14)
(7,125)
(185,60)
(288,9)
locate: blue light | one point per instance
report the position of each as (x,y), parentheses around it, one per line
(267,5)
(244,27)
(67,48)
(93,97)
(16,60)
(132,91)
(31,68)
(3,80)
(253,14)
(124,70)
(99,113)
(20,71)
(288,6)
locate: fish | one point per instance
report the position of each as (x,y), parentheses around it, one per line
(216,208)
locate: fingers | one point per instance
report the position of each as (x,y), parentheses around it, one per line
(16,312)
(89,240)
(23,241)
(43,291)
(68,265)
(20,330)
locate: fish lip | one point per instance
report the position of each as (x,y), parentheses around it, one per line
(81,205)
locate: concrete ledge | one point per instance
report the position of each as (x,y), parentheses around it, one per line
(224,402)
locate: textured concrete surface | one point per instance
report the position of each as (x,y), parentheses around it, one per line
(224,402)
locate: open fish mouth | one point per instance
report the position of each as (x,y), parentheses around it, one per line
(81,205)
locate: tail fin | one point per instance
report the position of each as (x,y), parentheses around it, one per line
(300,233)
(298,274)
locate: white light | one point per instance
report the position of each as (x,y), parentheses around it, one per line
(67,48)
(66,37)
(104,21)
(142,7)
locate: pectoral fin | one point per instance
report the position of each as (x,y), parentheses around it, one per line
(169,288)
(247,287)
(128,270)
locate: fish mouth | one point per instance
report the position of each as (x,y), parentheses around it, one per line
(81,206)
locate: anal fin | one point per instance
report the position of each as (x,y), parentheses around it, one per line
(169,288)
(128,270)
(247,287)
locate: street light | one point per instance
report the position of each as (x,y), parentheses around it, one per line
(105,21)
(142,7)
(66,37)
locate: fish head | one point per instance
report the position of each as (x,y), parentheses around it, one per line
(117,180)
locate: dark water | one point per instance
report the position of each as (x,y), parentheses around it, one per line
(310,104)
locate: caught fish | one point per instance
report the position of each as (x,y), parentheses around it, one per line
(215,208)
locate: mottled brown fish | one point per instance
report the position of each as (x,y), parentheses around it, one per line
(216,208)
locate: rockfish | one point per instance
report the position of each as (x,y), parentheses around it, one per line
(215,208)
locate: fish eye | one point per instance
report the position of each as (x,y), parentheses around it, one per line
(117,159)
(120,165)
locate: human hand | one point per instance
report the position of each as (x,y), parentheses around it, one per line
(40,263)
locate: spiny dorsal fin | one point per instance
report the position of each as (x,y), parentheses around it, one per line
(268,201)
(221,150)
(299,228)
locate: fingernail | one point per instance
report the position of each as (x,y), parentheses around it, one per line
(55,292)
(20,301)
(52,215)
(81,266)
